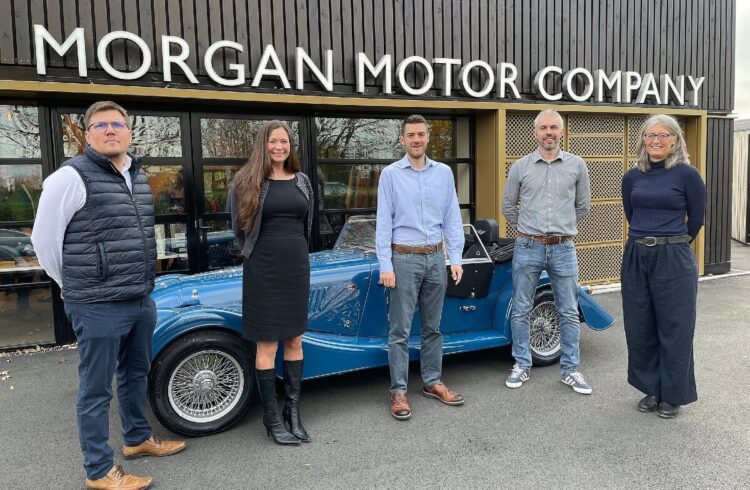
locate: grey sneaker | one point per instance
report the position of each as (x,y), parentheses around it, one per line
(575,380)
(517,376)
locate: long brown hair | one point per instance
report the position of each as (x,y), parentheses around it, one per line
(249,179)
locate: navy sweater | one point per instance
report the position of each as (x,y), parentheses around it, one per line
(657,202)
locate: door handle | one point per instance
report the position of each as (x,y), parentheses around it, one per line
(202,230)
(467,308)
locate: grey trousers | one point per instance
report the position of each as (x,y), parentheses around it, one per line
(420,279)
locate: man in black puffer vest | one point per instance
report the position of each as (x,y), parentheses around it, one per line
(94,235)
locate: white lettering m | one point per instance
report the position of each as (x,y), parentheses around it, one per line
(42,36)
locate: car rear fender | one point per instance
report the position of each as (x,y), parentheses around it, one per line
(593,314)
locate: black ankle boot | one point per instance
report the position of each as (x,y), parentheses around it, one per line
(292,385)
(271,418)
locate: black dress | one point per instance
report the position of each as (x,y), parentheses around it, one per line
(276,276)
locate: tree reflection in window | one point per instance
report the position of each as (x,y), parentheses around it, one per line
(19,132)
(355,138)
(234,138)
(153,136)
(20,188)
(167,188)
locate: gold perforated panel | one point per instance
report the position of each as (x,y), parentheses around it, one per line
(599,264)
(596,146)
(634,125)
(587,123)
(606,176)
(603,224)
(519,139)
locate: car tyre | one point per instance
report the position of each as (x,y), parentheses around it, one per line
(202,383)
(544,335)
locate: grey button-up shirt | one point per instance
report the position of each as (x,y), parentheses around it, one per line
(547,198)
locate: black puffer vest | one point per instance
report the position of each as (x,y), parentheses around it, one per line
(109,252)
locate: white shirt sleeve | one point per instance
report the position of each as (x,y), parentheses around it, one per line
(63,194)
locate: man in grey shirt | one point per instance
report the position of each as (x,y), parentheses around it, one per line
(547,193)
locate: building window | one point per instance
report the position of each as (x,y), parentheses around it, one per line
(25,298)
(351,153)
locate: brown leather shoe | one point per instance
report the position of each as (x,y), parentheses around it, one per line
(117,479)
(153,446)
(442,393)
(400,406)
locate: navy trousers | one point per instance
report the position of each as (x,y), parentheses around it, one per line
(112,337)
(659,289)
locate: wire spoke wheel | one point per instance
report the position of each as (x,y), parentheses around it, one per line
(545,329)
(206,386)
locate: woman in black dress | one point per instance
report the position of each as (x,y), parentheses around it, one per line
(271,208)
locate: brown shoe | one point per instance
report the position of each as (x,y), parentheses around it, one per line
(400,406)
(119,480)
(442,393)
(153,446)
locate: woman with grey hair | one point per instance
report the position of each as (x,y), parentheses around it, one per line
(664,200)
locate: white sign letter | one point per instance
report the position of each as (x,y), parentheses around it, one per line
(448,72)
(101,55)
(632,81)
(611,83)
(570,77)
(464,76)
(303,59)
(695,84)
(384,65)
(41,35)
(506,76)
(648,87)
(539,82)
(270,54)
(178,59)
(401,75)
(671,90)
(209,65)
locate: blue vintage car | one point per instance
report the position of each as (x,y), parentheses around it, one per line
(201,380)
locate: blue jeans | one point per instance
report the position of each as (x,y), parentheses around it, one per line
(530,258)
(420,279)
(112,336)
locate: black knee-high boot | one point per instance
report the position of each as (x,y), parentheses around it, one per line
(292,386)
(271,418)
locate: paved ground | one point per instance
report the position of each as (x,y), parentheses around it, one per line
(542,435)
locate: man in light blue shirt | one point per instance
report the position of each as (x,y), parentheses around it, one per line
(417,208)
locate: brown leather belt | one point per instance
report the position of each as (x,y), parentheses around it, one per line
(547,239)
(423,250)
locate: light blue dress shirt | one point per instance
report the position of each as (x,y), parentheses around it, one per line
(418,208)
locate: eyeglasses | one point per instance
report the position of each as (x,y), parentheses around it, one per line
(656,136)
(101,127)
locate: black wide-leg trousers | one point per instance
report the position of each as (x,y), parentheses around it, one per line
(659,289)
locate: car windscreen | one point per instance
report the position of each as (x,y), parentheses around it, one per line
(358,234)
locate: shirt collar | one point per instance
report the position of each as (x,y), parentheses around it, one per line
(404,162)
(128,164)
(536,156)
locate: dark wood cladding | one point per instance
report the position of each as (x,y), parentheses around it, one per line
(691,37)
(719,195)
